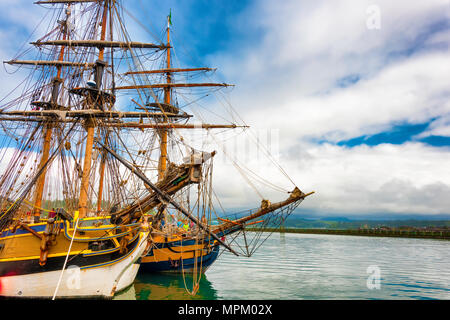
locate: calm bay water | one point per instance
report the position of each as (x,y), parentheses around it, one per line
(302,266)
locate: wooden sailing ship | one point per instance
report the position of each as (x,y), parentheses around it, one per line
(172,248)
(97,135)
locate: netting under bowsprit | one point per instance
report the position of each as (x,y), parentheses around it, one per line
(255,233)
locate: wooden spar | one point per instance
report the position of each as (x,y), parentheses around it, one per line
(174,85)
(170,70)
(173,126)
(230,221)
(64,1)
(83,200)
(136,125)
(267,207)
(163,134)
(103,154)
(102,178)
(165,197)
(48,130)
(254,222)
(103,31)
(103,159)
(84,188)
(51,63)
(41,180)
(162,163)
(99,44)
(100,186)
(93,113)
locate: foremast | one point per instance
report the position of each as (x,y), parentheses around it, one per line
(163,133)
(48,128)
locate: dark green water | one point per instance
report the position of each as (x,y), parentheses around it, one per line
(303,266)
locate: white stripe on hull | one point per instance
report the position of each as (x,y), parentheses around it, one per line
(94,282)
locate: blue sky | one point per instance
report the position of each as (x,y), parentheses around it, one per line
(205,27)
(362,115)
(399,134)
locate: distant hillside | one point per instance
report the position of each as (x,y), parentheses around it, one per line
(294,221)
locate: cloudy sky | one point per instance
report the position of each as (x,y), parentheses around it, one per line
(355,93)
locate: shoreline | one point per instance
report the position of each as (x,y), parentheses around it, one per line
(362,232)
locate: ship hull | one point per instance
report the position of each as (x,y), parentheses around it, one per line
(181,265)
(76,283)
(182,256)
(87,274)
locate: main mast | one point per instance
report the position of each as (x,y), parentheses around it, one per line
(103,155)
(90,122)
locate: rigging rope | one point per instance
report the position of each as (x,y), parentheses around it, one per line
(65,261)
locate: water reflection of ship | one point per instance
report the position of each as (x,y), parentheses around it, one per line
(127,294)
(171,287)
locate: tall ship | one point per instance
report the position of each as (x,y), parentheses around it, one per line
(98,179)
(187,237)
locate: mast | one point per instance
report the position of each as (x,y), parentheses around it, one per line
(163,133)
(90,123)
(103,154)
(48,130)
(101,181)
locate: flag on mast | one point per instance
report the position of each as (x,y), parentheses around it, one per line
(170,17)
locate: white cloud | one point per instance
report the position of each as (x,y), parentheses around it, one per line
(307,46)
(398,179)
(288,81)
(439,127)
(384,178)
(413,91)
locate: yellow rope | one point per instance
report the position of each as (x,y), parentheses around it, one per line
(34,206)
(8,209)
